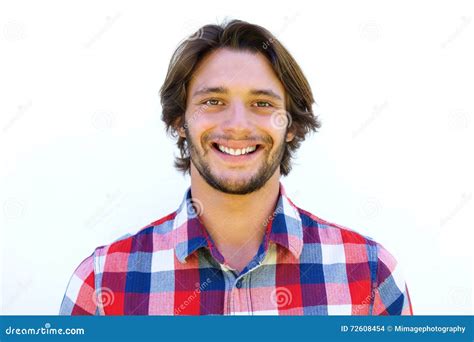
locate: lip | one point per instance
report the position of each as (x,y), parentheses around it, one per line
(237,145)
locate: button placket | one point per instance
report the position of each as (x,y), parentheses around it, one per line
(236,296)
(228,296)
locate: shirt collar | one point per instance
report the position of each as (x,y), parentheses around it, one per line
(284,228)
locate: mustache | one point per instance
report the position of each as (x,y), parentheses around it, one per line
(257,139)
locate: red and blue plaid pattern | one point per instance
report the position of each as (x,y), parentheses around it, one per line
(304,266)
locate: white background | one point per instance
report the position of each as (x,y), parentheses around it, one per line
(85,160)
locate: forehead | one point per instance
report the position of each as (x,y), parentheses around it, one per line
(235,69)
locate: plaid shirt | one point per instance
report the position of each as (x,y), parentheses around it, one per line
(304,266)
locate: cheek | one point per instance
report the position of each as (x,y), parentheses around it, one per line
(277,135)
(198,128)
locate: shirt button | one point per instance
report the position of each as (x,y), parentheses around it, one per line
(238,284)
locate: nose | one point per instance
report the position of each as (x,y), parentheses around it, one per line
(237,119)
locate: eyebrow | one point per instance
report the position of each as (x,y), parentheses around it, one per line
(211,90)
(266,92)
(223,90)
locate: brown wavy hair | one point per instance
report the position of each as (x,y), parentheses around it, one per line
(237,35)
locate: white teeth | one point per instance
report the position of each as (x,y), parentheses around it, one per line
(238,151)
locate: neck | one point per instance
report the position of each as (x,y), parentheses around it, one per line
(236,223)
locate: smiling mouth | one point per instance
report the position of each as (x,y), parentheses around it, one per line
(236,151)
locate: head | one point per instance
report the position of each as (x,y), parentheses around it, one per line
(238,104)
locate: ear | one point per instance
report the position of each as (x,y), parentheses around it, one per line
(289,136)
(181,131)
(179,127)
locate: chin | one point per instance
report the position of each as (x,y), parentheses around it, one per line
(236,185)
(232,180)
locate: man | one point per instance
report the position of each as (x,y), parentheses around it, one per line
(239,106)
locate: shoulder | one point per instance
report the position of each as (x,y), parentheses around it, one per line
(142,240)
(356,246)
(331,233)
(116,256)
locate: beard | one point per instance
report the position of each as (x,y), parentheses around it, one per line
(271,162)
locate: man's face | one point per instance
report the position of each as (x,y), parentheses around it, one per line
(233,118)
